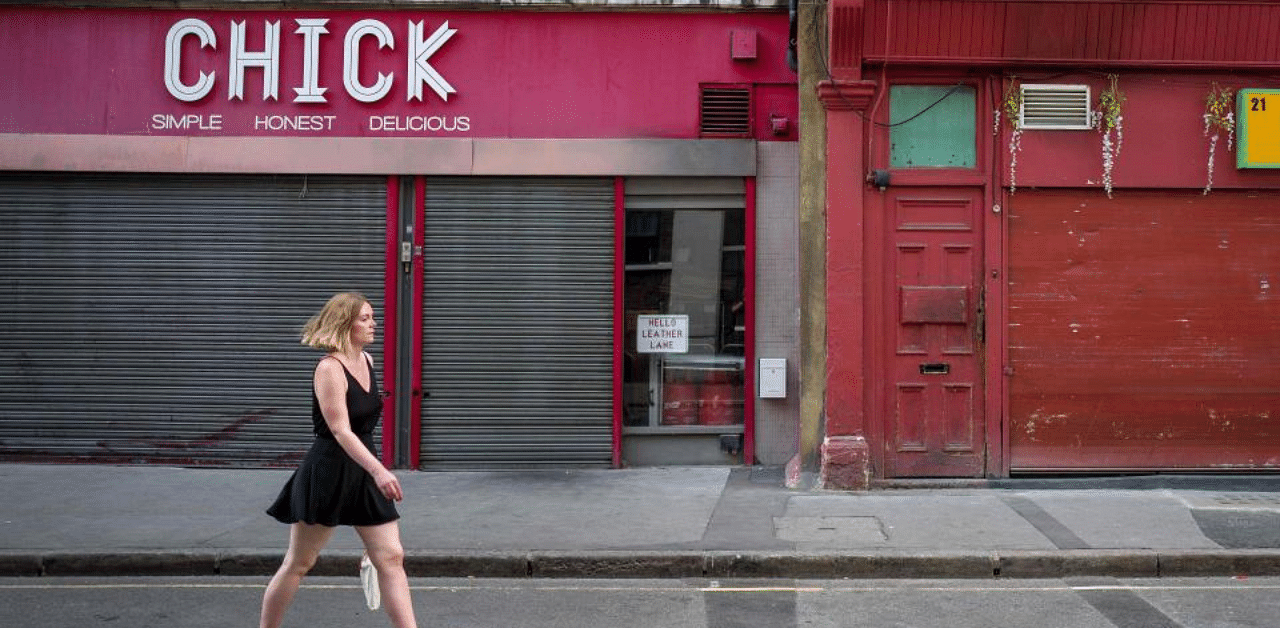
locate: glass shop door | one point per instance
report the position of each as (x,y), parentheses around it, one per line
(685,323)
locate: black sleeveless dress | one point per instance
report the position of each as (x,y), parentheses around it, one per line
(329,488)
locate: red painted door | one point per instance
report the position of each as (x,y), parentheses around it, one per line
(934,409)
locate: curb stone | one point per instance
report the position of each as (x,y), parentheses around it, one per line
(617,564)
(142,563)
(675,564)
(1243,562)
(1049,564)
(466,564)
(19,565)
(824,565)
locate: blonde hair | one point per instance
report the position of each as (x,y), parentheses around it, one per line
(330,328)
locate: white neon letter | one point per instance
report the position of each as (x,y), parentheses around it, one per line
(419,70)
(268,60)
(173,59)
(311,30)
(351,60)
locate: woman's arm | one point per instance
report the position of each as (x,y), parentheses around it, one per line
(331,391)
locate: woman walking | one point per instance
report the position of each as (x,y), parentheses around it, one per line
(341,481)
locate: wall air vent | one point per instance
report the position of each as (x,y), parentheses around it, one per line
(1055,107)
(725,111)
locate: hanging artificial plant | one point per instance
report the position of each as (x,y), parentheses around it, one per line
(1011,105)
(1219,116)
(1110,124)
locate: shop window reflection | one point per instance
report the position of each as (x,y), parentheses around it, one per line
(688,262)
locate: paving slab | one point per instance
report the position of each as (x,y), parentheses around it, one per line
(1110,519)
(921,520)
(561,510)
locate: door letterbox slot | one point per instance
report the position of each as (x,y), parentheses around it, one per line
(935,368)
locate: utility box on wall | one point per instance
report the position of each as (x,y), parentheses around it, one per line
(742,44)
(773,378)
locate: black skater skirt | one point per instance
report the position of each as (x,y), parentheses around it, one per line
(330,489)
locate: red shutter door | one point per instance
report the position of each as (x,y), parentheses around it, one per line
(1144,330)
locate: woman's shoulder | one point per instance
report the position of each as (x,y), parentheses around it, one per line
(329,365)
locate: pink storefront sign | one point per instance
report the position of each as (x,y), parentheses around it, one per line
(391,74)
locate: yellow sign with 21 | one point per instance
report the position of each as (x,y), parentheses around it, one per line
(1258,116)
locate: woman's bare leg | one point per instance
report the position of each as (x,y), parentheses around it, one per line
(305,543)
(382,542)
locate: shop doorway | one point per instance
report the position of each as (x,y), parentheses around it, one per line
(686,313)
(933,397)
(517,323)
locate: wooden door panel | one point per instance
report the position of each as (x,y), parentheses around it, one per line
(908,428)
(961,418)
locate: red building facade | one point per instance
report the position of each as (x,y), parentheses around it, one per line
(1042,254)
(516,191)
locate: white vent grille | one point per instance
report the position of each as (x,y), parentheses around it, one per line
(1055,107)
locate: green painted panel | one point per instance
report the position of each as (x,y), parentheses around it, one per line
(943,136)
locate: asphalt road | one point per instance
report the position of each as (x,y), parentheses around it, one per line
(532,603)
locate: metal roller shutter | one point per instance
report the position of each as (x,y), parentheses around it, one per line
(517,323)
(1144,330)
(155,318)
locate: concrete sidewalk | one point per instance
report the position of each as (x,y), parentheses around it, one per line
(63,520)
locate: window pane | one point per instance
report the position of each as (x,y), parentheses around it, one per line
(690,263)
(943,136)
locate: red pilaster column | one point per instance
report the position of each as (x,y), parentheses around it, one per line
(845,460)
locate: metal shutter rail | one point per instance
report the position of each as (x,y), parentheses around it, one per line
(663,193)
(157,316)
(517,323)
